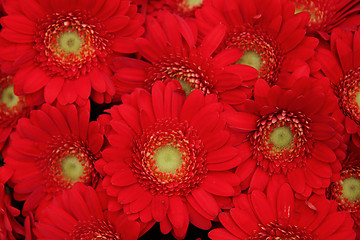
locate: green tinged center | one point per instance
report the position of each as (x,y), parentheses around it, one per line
(167,159)
(252,59)
(281,137)
(357,98)
(70,42)
(351,189)
(72,168)
(194,3)
(8,97)
(186,87)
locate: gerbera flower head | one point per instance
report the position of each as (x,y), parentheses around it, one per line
(278,215)
(289,134)
(12,107)
(271,36)
(326,15)
(10,228)
(170,47)
(50,151)
(62,49)
(341,65)
(169,158)
(90,219)
(346,191)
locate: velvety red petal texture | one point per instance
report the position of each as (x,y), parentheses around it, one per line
(191,188)
(38,33)
(48,147)
(309,157)
(278,214)
(171,48)
(87,218)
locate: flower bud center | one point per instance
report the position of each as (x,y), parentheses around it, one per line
(70,42)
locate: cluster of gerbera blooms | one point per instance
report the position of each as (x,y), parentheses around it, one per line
(180,119)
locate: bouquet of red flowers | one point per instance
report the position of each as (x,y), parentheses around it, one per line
(180,119)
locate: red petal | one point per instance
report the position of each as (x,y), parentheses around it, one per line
(176,212)
(221,234)
(217,186)
(323,153)
(212,40)
(35,80)
(123,177)
(259,180)
(241,120)
(228,222)
(206,201)
(124,45)
(297,179)
(245,220)
(53,88)
(285,204)
(319,168)
(261,207)
(159,206)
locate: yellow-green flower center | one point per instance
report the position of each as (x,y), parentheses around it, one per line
(168,159)
(70,42)
(72,168)
(194,3)
(252,59)
(8,97)
(351,189)
(281,137)
(186,87)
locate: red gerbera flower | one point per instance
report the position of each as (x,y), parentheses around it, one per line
(169,158)
(12,108)
(170,46)
(9,227)
(346,191)
(290,135)
(62,48)
(271,36)
(52,150)
(327,14)
(277,215)
(342,66)
(80,214)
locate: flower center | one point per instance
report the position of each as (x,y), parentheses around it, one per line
(348,94)
(346,191)
(70,44)
(67,161)
(260,51)
(8,97)
(11,106)
(281,137)
(315,8)
(351,189)
(72,168)
(276,231)
(192,73)
(281,142)
(93,230)
(194,3)
(169,158)
(252,59)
